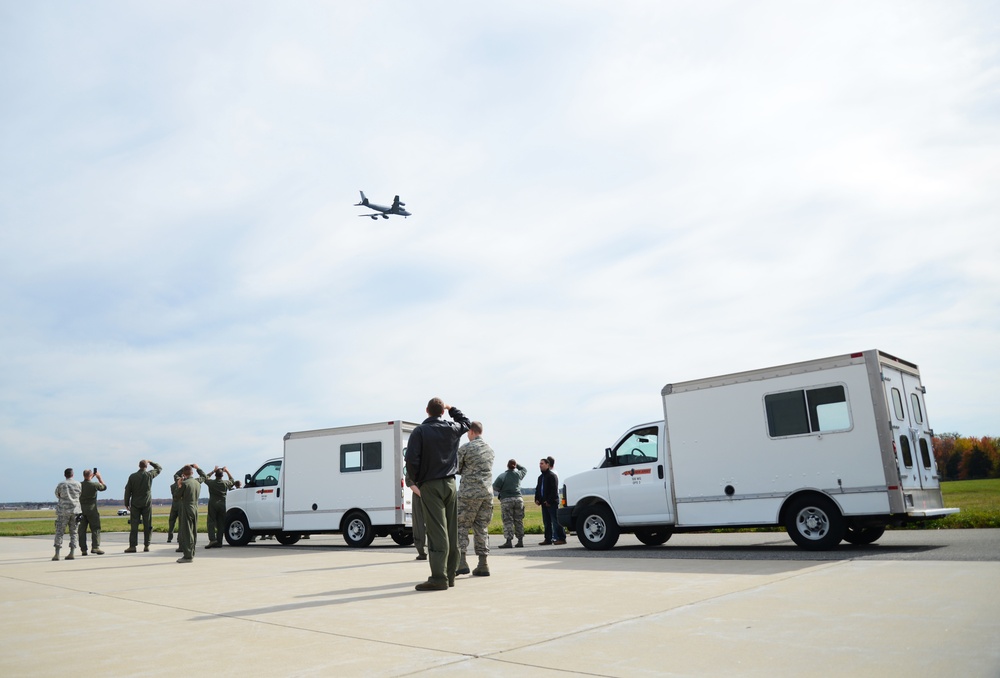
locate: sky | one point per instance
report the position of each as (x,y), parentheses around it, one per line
(606,198)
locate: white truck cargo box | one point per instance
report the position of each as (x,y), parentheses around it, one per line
(831,449)
(347,479)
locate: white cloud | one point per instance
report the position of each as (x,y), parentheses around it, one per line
(605,200)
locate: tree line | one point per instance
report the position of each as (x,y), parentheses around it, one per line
(966,458)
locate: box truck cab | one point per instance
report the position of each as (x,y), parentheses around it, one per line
(347,479)
(831,449)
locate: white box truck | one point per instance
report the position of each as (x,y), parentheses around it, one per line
(830,449)
(347,479)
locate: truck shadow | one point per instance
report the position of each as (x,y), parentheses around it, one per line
(765,558)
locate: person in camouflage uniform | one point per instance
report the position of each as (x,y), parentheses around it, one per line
(475,499)
(68,492)
(90,516)
(217,489)
(508,488)
(139,502)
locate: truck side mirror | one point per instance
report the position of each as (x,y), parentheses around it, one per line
(247,482)
(610,456)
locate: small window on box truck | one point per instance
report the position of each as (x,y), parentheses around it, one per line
(360,457)
(897,404)
(814,410)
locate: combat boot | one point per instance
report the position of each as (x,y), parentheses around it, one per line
(463,567)
(520,543)
(97,551)
(71,555)
(56,556)
(482,570)
(506,545)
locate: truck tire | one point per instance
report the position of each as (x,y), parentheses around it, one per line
(653,536)
(862,535)
(814,523)
(402,537)
(287,538)
(358,530)
(597,528)
(238,532)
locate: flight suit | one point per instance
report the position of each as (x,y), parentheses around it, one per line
(187,532)
(217,490)
(90,515)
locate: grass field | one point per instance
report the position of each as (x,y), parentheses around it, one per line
(978,499)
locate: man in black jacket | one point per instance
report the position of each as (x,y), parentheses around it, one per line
(547,496)
(431,462)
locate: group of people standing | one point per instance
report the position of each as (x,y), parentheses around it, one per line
(443,515)
(77,508)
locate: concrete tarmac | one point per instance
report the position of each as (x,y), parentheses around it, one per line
(320,608)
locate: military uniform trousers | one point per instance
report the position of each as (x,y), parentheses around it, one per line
(187,529)
(91,518)
(512,512)
(216,521)
(145,515)
(175,512)
(419,530)
(64,520)
(441,519)
(475,513)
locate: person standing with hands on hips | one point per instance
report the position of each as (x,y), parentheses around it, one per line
(547,496)
(432,462)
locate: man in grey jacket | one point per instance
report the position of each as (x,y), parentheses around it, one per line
(432,462)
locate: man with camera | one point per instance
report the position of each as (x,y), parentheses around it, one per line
(89,515)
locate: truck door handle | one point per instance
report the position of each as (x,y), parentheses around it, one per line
(659,471)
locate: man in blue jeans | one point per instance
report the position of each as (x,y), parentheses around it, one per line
(431,463)
(547,496)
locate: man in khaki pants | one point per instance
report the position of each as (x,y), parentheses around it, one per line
(432,461)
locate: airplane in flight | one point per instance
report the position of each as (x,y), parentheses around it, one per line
(384,212)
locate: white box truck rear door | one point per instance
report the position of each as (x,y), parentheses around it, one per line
(910,429)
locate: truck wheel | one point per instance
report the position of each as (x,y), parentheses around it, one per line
(814,523)
(358,530)
(238,532)
(653,536)
(287,538)
(864,534)
(402,537)
(597,530)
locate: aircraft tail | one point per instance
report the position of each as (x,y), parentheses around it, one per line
(364,200)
